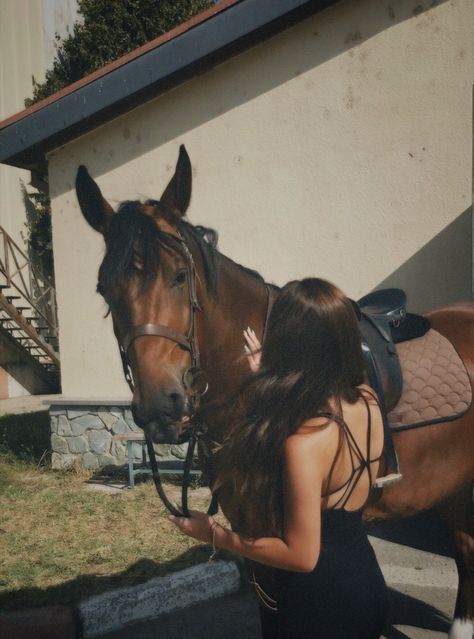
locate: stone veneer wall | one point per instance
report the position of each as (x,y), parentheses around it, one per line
(83,433)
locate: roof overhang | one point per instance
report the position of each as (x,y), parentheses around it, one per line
(209,38)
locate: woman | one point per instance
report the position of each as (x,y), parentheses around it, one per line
(300,462)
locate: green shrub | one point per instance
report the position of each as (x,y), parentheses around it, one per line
(107,32)
(26,435)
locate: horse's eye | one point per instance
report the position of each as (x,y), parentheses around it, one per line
(180,278)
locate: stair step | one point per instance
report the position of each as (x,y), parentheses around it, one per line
(12,297)
(33,317)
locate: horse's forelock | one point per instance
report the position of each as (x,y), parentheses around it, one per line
(132,231)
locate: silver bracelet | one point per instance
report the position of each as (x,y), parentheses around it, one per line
(213,533)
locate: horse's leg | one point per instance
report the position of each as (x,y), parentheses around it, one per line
(458,515)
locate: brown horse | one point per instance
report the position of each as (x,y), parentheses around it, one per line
(144,279)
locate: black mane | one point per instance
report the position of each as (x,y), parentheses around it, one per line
(131,231)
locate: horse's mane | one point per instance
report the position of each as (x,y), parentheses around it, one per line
(131,231)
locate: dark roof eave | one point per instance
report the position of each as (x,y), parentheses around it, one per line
(26,141)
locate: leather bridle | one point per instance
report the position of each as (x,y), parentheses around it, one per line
(188,342)
(196,430)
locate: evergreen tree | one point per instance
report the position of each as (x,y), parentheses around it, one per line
(108,30)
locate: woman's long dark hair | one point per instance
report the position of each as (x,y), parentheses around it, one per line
(311,361)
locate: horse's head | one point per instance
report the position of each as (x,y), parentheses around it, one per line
(147,279)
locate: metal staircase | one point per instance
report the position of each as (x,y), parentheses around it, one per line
(28,312)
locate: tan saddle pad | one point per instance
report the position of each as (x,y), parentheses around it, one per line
(436,385)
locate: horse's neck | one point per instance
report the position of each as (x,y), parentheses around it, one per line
(241,301)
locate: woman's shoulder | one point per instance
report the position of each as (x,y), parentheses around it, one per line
(313,442)
(320,423)
(315,434)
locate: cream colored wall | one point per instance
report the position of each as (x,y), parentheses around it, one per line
(340,148)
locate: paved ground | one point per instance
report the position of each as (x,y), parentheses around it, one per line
(422,586)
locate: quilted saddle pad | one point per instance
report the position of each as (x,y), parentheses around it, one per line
(436,385)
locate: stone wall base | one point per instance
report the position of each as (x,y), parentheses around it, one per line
(83,435)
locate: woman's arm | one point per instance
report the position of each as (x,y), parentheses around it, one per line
(298,551)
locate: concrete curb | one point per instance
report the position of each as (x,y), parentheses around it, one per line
(113,610)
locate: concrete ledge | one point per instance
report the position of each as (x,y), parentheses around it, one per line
(61,400)
(113,610)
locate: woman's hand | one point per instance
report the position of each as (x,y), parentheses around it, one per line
(253,349)
(197,526)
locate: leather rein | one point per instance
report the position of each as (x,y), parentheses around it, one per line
(188,342)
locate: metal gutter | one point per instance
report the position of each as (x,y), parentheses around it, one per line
(238,24)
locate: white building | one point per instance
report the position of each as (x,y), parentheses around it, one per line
(27,49)
(326,138)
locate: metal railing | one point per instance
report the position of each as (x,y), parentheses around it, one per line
(22,288)
(36,290)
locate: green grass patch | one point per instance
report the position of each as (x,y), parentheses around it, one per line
(60,543)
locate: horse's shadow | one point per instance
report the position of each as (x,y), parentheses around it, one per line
(409,611)
(423,532)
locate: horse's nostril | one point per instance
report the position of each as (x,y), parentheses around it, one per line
(176,399)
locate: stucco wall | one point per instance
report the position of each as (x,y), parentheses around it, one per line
(341,148)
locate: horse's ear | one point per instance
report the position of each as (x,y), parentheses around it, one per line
(94,206)
(177,194)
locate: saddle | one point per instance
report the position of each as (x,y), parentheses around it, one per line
(384,322)
(420,381)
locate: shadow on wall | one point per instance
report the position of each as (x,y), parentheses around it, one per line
(240,80)
(425,273)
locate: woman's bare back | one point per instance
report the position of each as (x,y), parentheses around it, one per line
(360,437)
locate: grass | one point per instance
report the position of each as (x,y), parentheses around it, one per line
(60,543)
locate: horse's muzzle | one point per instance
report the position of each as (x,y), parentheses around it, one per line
(163,432)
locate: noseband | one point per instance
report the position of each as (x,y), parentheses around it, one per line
(189,343)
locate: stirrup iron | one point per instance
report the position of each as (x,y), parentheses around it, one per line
(388,480)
